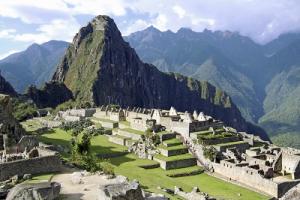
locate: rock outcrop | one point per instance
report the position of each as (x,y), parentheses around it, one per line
(52,94)
(37,191)
(9,126)
(6,88)
(122,191)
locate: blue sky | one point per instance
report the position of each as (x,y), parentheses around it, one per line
(23,22)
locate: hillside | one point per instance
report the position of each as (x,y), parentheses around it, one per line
(205,56)
(5,87)
(261,79)
(34,66)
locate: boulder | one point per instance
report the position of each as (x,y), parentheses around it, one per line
(121,191)
(76,178)
(27,176)
(36,191)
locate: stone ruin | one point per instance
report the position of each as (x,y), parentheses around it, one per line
(35,191)
(195,194)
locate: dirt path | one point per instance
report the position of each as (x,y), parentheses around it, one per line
(87,190)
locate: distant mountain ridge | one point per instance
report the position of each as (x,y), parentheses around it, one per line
(262,80)
(34,66)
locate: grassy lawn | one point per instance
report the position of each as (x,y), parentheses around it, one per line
(31,125)
(99,144)
(133,131)
(150,179)
(231,143)
(172,142)
(177,147)
(173,158)
(126,123)
(40,178)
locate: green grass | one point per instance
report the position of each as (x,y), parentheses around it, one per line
(172,142)
(99,144)
(40,178)
(181,146)
(152,178)
(231,143)
(126,123)
(129,166)
(184,170)
(103,120)
(174,158)
(31,125)
(133,131)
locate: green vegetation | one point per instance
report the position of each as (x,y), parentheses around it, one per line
(231,143)
(129,166)
(177,147)
(172,142)
(40,178)
(173,158)
(210,153)
(23,110)
(133,131)
(31,125)
(188,171)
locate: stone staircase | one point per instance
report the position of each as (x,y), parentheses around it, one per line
(173,154)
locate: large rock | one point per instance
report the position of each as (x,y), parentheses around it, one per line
(6,88)
(292,194)
(37,191)
(9,126)
(121,191)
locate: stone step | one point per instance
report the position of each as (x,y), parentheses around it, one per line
(172,142)
(118,139)
(130,133)
(175,162)
(166,136)
(173,150)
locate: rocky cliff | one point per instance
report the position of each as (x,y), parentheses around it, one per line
(6,88)
(8,124)
(101,68)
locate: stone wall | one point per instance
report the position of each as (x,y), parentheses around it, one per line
(173,152)
(240,146)
(176,163)
(250,177)
(38,165)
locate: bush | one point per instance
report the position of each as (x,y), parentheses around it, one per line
(107,168)
(210,153)
(23,110)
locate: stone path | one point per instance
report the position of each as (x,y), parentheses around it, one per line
(87,190)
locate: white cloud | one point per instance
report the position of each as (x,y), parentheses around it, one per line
(56,29)
(261,20)
(136,26)
(179,11)
(7,33)
(4,55)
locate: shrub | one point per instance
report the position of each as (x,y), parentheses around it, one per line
(23,110)
(210,153)
(107,168)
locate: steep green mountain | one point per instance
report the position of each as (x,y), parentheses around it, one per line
(223,58)
(6,88)
(263,80)
(101,68)
(281,105)
(34,66)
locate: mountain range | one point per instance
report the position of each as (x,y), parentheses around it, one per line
(263,80)
(34,66)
